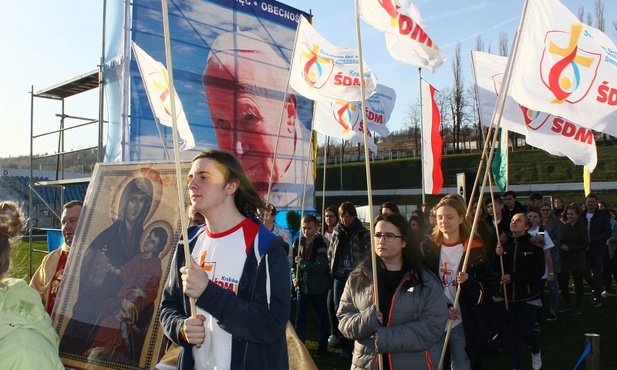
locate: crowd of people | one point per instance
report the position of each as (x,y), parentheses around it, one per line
(433,284)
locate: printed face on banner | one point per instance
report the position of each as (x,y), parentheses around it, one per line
(107,309)
(231,65)
(566,69)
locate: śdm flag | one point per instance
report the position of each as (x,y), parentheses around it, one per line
(342,120)
(553,134)
(566,68)
(323,72)
(432,143)
(406,39)
(156,81)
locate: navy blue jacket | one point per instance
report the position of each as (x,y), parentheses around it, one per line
(257,323)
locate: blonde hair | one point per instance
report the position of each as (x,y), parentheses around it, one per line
(459,207)
(11,223)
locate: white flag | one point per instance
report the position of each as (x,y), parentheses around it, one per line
(566,68)
(406,39)
(323,72)
(551,133)
(379,108)
(342,120)
(156,82)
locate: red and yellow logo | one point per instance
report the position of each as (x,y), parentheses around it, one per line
(567,70)
(316,69)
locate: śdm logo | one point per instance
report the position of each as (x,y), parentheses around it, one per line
(534,119)
(567,70)
(316,70)
(346,114)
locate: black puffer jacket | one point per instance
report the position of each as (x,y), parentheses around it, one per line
(524,262)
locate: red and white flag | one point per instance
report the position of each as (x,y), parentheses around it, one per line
(566,68)
(323,72)
(551,133)
(156,81)
(432,144)
(406,39)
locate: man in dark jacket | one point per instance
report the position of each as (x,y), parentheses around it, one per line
(512,206)
(239,277)
(599,228)
(350,245)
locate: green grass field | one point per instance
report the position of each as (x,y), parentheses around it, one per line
(562,341)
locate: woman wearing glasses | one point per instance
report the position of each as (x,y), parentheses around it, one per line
(331,220)
(412,313)
(474,333)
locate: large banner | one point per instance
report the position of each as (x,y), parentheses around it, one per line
(230,67)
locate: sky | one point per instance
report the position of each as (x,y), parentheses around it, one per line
(48,42)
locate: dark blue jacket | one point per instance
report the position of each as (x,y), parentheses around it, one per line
(257,322)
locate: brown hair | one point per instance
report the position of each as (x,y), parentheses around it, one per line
(246,198)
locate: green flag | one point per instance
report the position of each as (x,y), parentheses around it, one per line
(500,162)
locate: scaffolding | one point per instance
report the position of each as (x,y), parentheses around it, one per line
(44,211)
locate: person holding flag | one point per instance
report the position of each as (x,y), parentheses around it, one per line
(474,332)
(239,278)
(523,266)
(412,309)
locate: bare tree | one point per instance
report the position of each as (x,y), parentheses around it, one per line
(413,124)
(458,99)
(580,14)
(479,43)
(600,21)
(503,44)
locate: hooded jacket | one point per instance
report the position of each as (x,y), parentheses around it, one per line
(27,339)
(418,315)
(256,317)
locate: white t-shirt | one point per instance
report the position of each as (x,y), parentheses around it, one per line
(222,256)
(548,244)
(449,262)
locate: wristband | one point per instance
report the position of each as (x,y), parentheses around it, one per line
(551,274)
(183,334)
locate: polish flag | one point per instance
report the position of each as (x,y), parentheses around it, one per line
(431,141)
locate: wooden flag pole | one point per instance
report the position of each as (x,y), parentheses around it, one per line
(172,96)
(368,170)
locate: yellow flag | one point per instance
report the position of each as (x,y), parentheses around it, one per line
(586,180)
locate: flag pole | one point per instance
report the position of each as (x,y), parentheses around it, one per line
(496,118)
(323,192)
(172,96)
(421,137)
(368,169)
(278,136)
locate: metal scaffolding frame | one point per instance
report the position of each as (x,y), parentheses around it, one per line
(60,92)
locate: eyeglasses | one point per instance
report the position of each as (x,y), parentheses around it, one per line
(545,210)
(389,237)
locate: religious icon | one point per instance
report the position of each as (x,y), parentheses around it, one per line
(108,305)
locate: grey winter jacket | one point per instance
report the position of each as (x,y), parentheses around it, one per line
(411,340)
